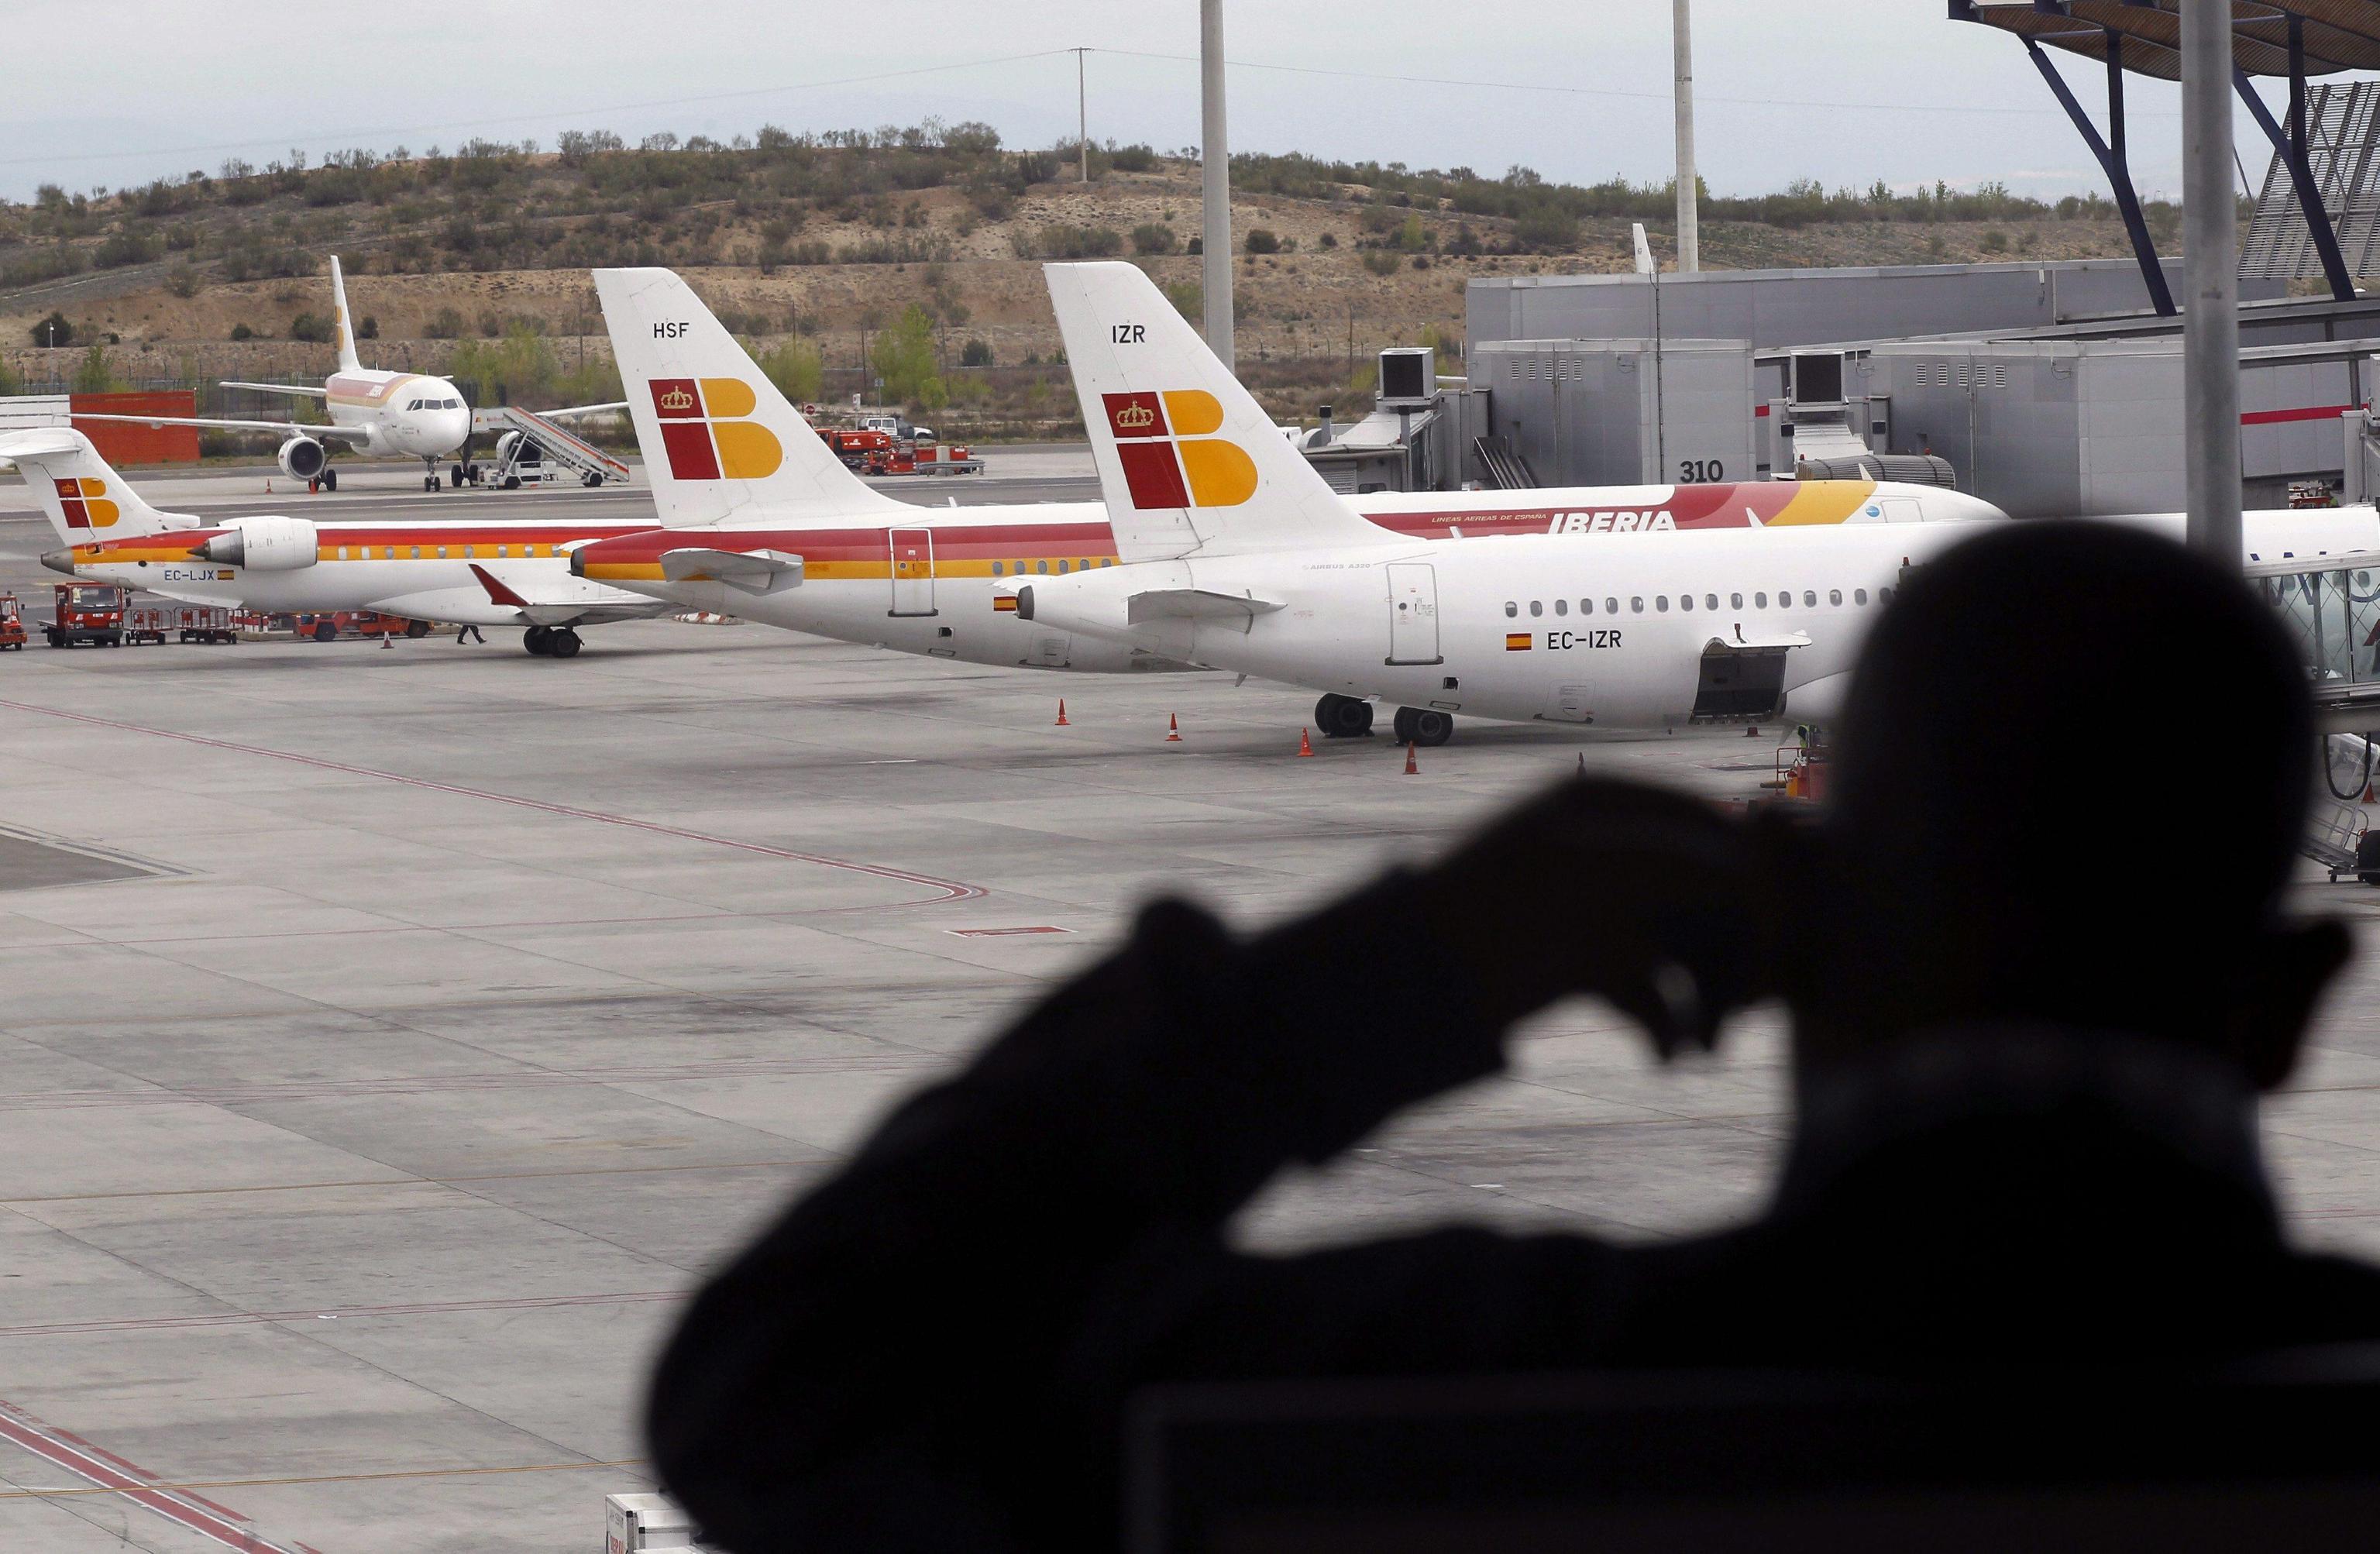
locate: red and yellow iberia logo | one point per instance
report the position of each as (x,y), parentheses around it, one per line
(84,508)
(1169,459)
(704,435)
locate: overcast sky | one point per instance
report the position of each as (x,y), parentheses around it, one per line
(110,93)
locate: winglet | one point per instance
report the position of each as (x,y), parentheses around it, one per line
(497,592)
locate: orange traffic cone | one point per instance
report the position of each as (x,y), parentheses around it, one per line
(1062,711)
(268,485)
(1305,744)
(1413,767)
(1753,732)
(1172,729)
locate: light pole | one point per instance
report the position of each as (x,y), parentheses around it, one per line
(1214,151)
(1681,41)
(2210,320)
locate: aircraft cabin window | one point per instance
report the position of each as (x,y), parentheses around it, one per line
(1107,561)
(1834,596)
(1884,596)
(417,552)
(1685,602)
(1661,601)
(1561,606)
(1735,601)
(388,553)
(1636,605)
(1044,567)
(1586,607)
(1710,601)
(1536,607)
(1810,598)
(1859,596)
(1760,601)
(1061,566)
(999,568)
(1511,609)
(1611,606)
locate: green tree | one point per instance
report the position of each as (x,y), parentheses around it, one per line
(797,371)
(93,375)
(9,383)
(519,366)
(904,358)
(54,331)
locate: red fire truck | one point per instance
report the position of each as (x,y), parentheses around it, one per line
(91,613)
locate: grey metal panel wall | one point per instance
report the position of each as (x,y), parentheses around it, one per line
(2298,446)
(1582,412)
(1807,307)
(2129,428)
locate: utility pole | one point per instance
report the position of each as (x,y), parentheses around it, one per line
(2210,320)
(1681,41)
(1082,118)
(1215,155)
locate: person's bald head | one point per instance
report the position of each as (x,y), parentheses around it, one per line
(2069,780)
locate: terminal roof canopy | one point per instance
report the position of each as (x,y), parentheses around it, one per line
(2339,34)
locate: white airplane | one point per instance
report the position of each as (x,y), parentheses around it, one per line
(1238,556)
(380,415)
(764,522)
(495,573)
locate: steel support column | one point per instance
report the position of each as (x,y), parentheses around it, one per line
(2111,160)
(2290,145)
(2210,270)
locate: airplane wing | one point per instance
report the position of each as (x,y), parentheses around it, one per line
(584,410)
(564,600)
(356,434)
(752,571)
(1196,604)
(279,388)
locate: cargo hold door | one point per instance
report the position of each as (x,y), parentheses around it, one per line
(1413,613)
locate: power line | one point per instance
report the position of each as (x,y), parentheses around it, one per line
(746,94)
(1837,105)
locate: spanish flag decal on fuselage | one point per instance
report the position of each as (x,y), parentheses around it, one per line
(1517,641)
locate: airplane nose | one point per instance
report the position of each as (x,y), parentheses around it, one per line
(59,561)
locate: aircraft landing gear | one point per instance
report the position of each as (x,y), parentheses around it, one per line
(428,474)
(1425,726)
(551,641)
(1344,717)
(537,639)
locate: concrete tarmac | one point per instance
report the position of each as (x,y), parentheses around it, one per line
(467,1006)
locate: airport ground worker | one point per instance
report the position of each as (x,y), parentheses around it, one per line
(2025,1064)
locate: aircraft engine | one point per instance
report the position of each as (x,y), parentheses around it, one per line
(264,544)
(302,458)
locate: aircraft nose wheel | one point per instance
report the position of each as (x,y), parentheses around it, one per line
(1344,717)
(1425,726)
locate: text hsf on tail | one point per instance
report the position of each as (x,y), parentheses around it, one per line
(722,443)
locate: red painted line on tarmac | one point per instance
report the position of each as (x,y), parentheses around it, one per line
(314,1314)
(108,1471)
(952,889)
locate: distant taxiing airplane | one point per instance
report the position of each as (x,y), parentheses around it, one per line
(764,522)
(1237,556)
(496,571)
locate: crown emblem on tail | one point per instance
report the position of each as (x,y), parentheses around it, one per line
(677,399)
(1134,417)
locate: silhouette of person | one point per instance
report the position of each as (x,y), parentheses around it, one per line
(2033,1006)
(468,633)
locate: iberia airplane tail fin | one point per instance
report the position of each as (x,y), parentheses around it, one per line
(1189,463)
(82,497)
(722,445)
(343,322)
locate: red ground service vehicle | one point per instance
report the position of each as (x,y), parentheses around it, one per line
(12,622)
(91,613)
(909,458)
(854,446)
(332,625)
